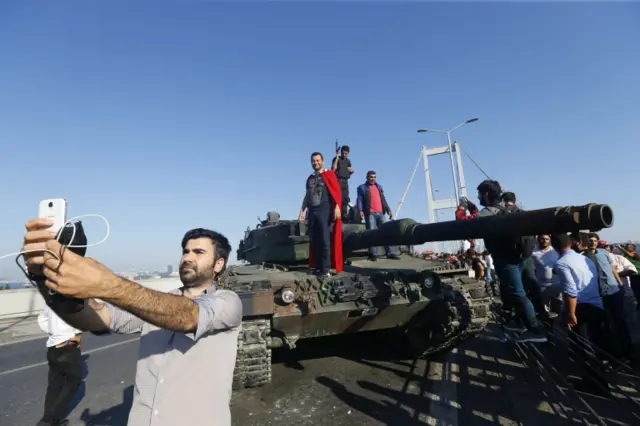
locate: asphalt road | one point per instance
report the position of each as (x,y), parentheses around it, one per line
(359,380)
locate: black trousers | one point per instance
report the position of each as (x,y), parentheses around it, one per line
(320,235)
(634,282)
(65,376)
(614,306)
(531,286)
(344,188)
(592,326)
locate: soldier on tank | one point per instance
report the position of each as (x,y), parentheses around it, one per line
(341,166)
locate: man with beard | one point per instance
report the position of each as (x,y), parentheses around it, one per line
(321,202)
(612,292)
(544,260)
(509,257)
(189,336)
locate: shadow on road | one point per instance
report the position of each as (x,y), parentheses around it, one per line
(385,412)
(116,415)
(484,382)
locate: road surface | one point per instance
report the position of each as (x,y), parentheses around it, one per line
(353,381)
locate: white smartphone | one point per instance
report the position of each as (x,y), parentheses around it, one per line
(54,209)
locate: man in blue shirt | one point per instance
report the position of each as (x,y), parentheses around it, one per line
(583,308)
(612,292)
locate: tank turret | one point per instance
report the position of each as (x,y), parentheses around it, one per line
(285,242)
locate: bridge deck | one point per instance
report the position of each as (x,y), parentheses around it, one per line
(335,382)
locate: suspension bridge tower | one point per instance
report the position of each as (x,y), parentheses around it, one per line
(434,205)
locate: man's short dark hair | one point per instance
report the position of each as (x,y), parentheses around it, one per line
(508,197)
(579,238)
(317,153)
(492,188)
(561,241)
(345,148)
(371,172)
(220,243)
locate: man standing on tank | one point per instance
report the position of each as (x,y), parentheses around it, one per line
(509,263)
(341,166)
(529,280)
(322,200)
(373,206)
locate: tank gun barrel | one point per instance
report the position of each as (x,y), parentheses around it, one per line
(593,217)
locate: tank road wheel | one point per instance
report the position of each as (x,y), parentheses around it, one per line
(253,362)
(463,312)
(431,329)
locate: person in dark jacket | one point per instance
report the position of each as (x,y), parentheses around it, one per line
(372,206)
(509,263)
(341,166)
(528,270)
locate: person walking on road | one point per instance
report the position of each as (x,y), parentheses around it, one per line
(65,367)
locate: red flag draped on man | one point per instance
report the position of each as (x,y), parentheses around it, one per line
(335,194)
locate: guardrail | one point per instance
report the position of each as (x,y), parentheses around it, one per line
(27,302)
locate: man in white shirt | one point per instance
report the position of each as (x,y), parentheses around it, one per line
(544,260)
(65,367)
(623,267)
(490,272)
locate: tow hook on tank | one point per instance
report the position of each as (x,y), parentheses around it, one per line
(290,342)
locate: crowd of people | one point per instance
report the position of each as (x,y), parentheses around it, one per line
(578,276)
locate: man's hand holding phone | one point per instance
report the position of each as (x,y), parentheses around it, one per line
(36,238)
(66,273)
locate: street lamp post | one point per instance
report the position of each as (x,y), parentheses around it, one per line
(453,167)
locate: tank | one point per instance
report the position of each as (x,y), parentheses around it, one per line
(430,305)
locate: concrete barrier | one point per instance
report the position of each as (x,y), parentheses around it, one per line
(28,301)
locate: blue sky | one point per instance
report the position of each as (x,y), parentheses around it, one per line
(165,117)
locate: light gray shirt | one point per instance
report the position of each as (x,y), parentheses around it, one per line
(185,378)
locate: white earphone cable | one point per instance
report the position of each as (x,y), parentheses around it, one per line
(70,221)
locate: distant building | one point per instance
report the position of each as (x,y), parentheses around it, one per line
(169,269)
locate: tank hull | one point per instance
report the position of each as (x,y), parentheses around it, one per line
(344,318)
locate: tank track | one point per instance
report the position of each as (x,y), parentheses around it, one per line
(464,312)
(253,361)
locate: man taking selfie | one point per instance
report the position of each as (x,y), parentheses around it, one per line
(189,336)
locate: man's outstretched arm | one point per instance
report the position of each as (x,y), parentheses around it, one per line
(88,319)
(197,317)
(164,310)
